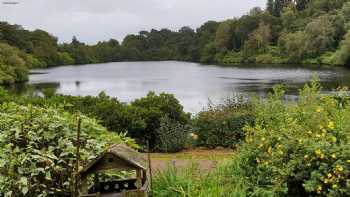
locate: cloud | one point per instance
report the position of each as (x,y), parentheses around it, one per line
(94,20)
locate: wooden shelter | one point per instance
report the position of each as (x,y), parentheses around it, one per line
(117,158)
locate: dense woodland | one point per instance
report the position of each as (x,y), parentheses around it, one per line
(287,31)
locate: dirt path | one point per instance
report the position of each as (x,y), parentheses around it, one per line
(205,159)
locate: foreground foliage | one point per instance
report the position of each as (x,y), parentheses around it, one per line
(141,119)
(38,147)
(292,149)
(302,148)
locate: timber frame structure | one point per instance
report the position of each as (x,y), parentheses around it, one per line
(117,158)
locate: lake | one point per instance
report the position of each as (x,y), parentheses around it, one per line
(193,84)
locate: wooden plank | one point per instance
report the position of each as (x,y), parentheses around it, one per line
(138,179)
(84,186)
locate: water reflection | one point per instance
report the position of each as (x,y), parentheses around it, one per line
(33,89)
(192,83)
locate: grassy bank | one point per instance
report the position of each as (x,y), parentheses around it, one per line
(225,180)
(206,159)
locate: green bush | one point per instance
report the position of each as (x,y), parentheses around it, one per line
(140,119)
(63,58)
(49,92)
(172,135)
(13,68)
(222,125)
(33,62)
(231,58)
(328,58)
(37,148)
(151,109)
(298,149)
(342,56)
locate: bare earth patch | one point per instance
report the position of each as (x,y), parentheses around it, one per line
(206,160)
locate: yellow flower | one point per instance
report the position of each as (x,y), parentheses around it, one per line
(263,138)
(319,109)
(318,135)
(318,152)
(329,175)
(319,189)
(334,156)
(348,161)
(334,186)
(322,156)
(339,168)
(269,150)
(331,125)
(334,139)
(326,181)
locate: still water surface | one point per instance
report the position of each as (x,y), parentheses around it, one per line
(193,84)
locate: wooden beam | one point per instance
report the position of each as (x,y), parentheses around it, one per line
(138,179)
(96,182)
(84,186)
(77,164)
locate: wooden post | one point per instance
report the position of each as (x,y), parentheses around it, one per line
(96,182)
(138,179)
(77,179)
(150,167)
(84,185)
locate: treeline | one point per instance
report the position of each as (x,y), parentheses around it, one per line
(154,45)
(287,31)
(303,31)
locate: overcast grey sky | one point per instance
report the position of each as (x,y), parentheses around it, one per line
(94,20)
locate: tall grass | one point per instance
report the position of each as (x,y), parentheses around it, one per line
(191,182)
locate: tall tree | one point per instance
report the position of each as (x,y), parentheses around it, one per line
(258,41)
(277,8)
(223,37)
(301,4)
(270,6)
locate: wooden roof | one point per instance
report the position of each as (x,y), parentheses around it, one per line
(123,152)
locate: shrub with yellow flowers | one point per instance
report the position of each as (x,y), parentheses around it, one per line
(300,148)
